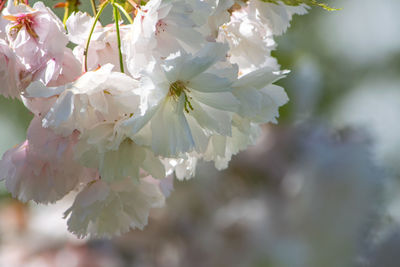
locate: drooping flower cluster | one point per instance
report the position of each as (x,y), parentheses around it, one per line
(130,104)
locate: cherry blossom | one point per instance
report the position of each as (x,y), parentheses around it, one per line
(103,210)
(42,168)
(199,84)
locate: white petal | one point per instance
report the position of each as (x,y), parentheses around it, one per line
(38,89)
(223,101)
(209,83)
(61,111)
(171,132)
(104,210)
(208,56)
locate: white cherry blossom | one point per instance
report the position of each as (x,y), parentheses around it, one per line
(199,85)
(259,100)
(97,96)
(184,103)
(250,40)
(159,29)
(103,45)
(115,156)
(276,16)
(104,209)
(222,148)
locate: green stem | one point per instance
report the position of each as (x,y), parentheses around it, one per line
(126,14)
(85,52)
(116,18)
(94,9)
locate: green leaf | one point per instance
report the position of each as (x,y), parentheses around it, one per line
(299,2)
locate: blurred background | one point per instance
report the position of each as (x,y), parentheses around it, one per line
(321,189)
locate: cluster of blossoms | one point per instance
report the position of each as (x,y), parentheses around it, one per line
(132,104)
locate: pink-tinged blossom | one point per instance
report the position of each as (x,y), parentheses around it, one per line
(11,71)
(59,70)
(3,24)
(39,40)
(42,168)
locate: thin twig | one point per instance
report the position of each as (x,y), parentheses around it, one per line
(94,8)
(122,9)
(85,52)
(116,18)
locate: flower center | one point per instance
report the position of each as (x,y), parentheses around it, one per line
(160,27)
(20,21)
(176,89)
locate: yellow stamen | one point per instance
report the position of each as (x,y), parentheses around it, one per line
(176,89)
